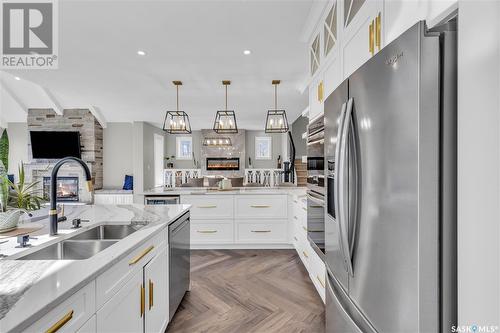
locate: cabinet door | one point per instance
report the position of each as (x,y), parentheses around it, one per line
(89,326)
(156,281)
(315,97)
(358,16)
(124,312)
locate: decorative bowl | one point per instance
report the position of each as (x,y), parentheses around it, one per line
(9,220)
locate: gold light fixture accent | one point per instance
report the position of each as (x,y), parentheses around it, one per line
(225,120)
(276,121)
(217,142)
(177,122)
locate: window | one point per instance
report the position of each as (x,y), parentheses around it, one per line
(158,159)
(184,148)
(263,148)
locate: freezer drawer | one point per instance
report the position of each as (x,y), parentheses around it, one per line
(337,319)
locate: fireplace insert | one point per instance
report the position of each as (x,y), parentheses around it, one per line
(223,163)
(67,188)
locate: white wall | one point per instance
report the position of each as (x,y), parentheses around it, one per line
(18,146)
(479,163)
(117,150)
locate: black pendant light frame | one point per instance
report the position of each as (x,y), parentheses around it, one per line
(227,114)
(177,117)
(273,114)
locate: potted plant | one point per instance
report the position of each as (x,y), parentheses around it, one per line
(170,161)
(22,198)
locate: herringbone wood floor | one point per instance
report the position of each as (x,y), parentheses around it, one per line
(259,291)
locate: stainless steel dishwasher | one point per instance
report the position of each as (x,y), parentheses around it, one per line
(179,261)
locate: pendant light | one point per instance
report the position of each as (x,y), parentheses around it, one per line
(276,121)
(225,120)
(177,122)
(217,142)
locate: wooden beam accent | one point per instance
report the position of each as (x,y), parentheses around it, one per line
(98,115)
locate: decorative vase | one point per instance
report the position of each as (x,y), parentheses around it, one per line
(9,220)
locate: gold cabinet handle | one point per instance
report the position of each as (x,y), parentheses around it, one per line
(260,206)
(143,296)
(320,92)
(305,254)
(320,281)
(206,231)
(261,230)
(309,230)
(316,206)
(151,294)
(67,317)
(141,255)
(207,206)
(304,209)
(378,24)
(371,47)
(305,229)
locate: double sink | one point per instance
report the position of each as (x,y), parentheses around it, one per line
(83,245)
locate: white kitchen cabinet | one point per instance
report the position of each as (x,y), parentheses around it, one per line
(124,312)
(113,199)
(156,284)
(399,16)
(262,231)
(70,315)
(261,206)
(89,327)
(362,32)
(209,207)
(211,232)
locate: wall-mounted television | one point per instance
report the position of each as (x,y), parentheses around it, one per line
(52,144)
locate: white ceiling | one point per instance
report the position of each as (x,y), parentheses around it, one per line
(197,42)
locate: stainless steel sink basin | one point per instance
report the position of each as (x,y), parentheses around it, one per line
(107,231)
(70,250)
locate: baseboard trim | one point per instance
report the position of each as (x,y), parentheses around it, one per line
(242,247)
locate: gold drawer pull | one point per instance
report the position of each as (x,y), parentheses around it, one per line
(305,254)
(67,317)
(316,206)
(141,255)
(320,281)
(309,230)
(207,206)
(261,230)
(206,231)
(305,229)
(304,209)
(260,206)
(143,296)
(151,294)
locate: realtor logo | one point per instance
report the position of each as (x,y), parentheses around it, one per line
(29,34)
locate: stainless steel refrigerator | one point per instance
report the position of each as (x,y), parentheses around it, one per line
(390,227)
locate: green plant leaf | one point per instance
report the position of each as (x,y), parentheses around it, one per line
(4,150)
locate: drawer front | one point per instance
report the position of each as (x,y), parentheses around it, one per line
(265,232)
(262,206)
(317,273)
(109,282)
(71,314)
(208,233)
(210,206)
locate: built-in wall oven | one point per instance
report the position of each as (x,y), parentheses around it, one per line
(316,185)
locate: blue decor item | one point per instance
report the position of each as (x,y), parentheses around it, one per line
(11,178)
(128,183)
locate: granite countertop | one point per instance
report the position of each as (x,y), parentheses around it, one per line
(236,190)
(31,288)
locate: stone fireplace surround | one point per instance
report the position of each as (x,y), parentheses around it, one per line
(91,134)
(237,149)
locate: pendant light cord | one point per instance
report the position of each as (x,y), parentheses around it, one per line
(226,96)
(177,98)
(276,97)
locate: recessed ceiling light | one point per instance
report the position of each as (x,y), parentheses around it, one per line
(141,53)
(17,78)
(247,52)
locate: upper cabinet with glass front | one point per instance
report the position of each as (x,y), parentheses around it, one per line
(315,54)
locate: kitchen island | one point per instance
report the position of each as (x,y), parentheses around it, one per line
(37,295)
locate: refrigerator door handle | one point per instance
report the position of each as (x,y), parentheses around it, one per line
(343,195)
(337,175)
